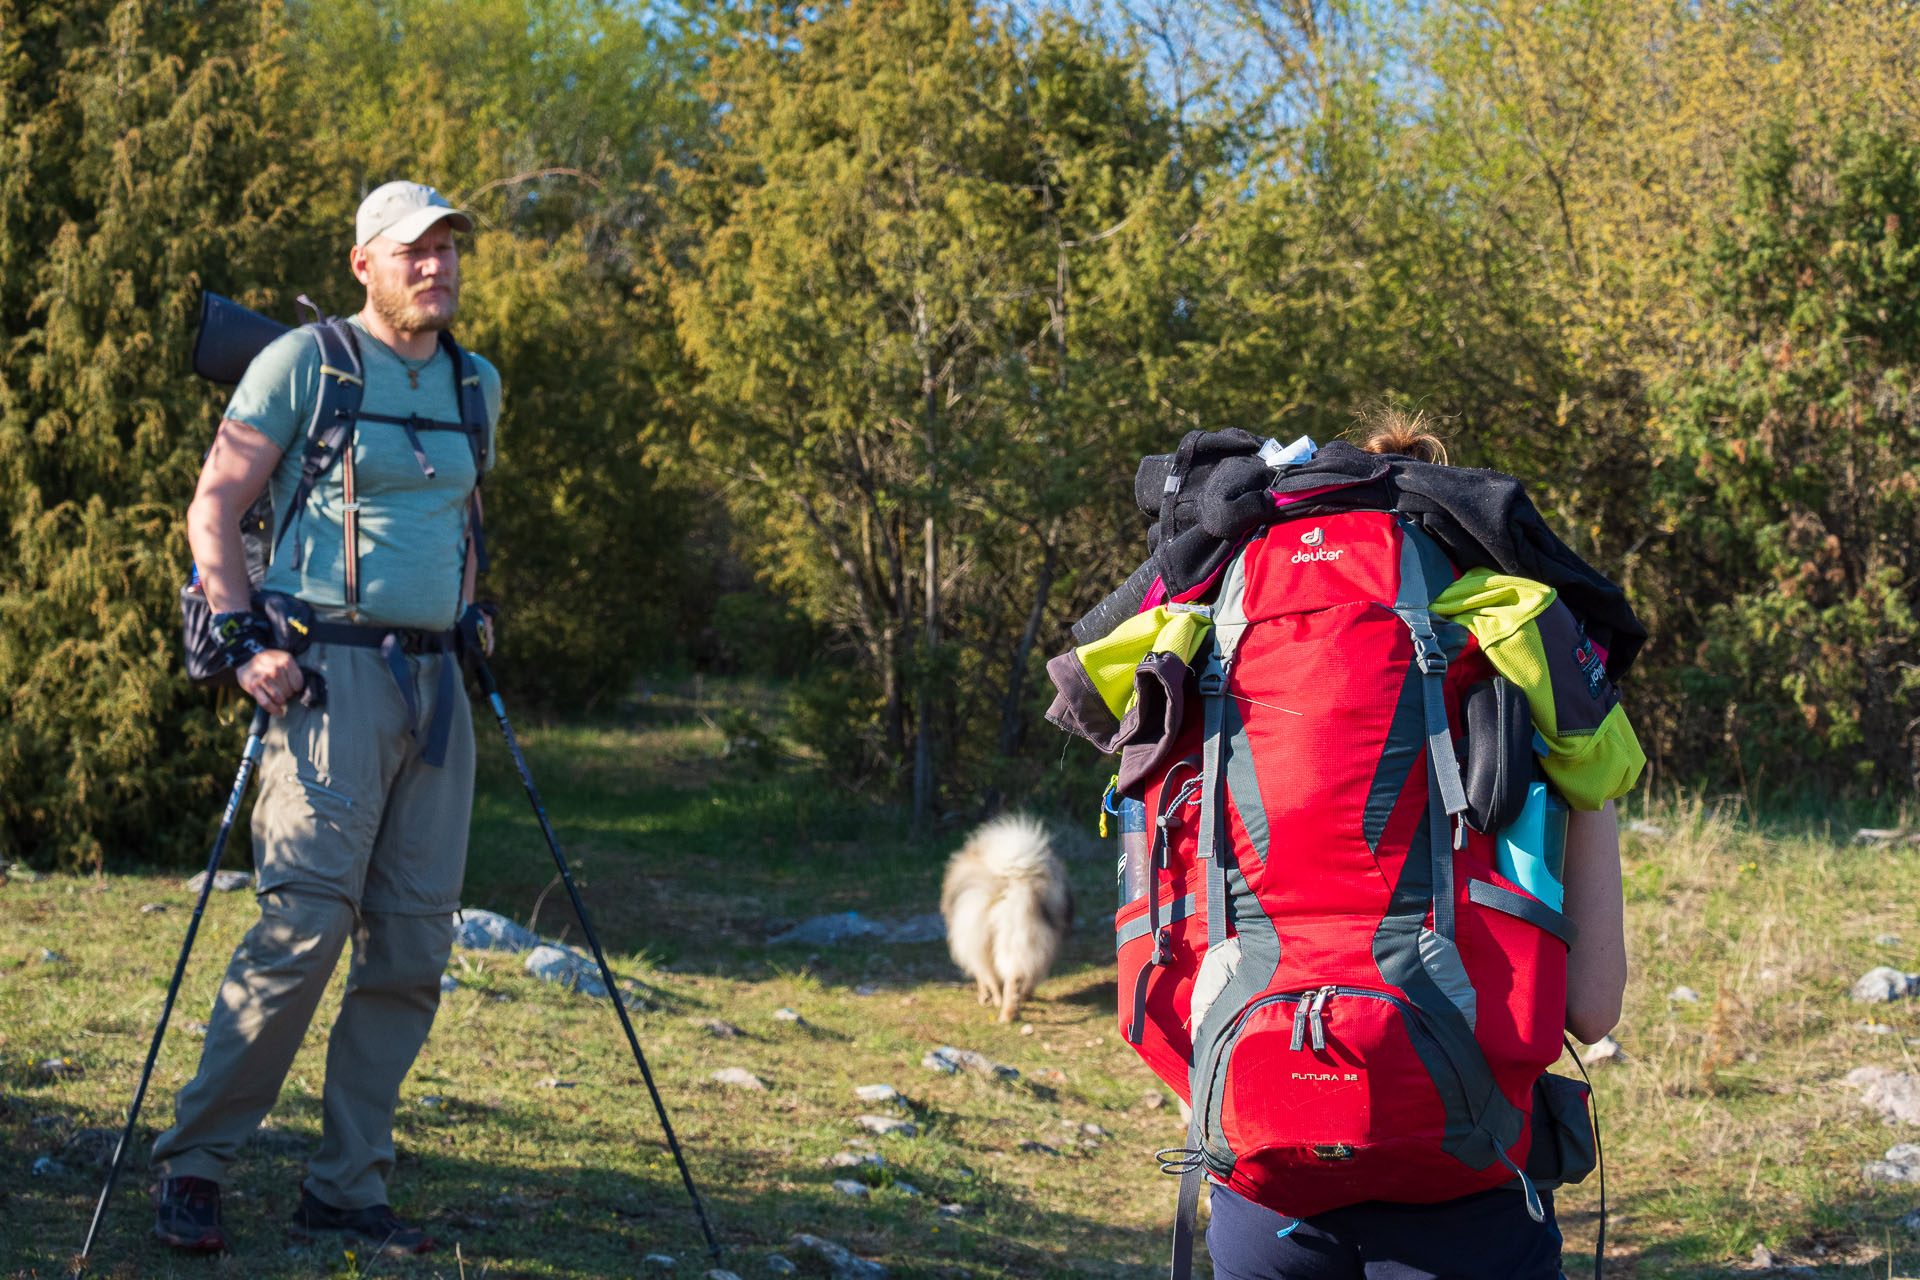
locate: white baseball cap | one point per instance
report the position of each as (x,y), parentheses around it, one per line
(403,211)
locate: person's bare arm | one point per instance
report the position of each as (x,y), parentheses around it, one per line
(1597,963)
(236,470)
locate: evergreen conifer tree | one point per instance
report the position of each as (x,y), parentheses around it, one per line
(150,152)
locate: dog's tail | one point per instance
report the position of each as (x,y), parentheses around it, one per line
(1014,846)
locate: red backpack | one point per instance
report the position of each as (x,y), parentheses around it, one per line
(1323,961)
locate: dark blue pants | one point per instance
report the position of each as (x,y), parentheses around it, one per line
(1484,1236)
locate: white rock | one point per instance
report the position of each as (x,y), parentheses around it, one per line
(51,957)
(1912,1221)
(151,908)
(787,1015)
(848,1187)
(826,931)
(1883,983)
(721,1273)
(930,927)
(1684,995)
(223,881)
(954,1209)
(950,1061)
(658,1260)
(740,1077)
(1873,1028)
(568,968)
(1641,827)
(1901,1165)
(1886,939)
(47,1167)
(842,1264)
(887,1125)
(1605,1049)
(490,931)
(854,1160)
(448,983)
(1895,1095)
(907,1189)
(877,1093)
(779,1265)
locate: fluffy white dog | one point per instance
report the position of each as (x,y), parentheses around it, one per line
(1008,908)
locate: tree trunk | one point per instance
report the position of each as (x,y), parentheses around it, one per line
(1013,725)
(923,789)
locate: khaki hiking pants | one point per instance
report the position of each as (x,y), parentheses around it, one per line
(356,839)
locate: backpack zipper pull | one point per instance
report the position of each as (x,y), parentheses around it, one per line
(1314,1020)
(1300,1018)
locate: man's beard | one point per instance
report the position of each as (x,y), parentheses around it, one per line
(393,304)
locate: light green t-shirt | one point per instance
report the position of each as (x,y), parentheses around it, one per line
(412,528)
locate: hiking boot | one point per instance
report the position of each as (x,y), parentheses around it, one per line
(376,1226)
(187,1214)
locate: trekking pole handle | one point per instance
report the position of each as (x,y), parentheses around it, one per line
(256,734)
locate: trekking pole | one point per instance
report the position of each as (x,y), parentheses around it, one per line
(492,691)
(256,733)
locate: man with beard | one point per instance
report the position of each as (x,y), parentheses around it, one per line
(360,828)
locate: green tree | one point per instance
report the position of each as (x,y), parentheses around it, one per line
(151,151)
(906,287)
(1789,459)
(549,120)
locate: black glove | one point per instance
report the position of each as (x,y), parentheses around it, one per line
(478,629)
(242,637)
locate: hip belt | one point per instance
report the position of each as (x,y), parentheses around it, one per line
(395,644)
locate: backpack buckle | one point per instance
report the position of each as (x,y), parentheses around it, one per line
(1432,659)
(1160,938)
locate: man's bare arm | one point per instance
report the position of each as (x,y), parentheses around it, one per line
(236,470)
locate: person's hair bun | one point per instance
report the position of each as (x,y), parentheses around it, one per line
(1396,431)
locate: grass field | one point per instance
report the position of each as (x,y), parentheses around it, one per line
(1725,1122)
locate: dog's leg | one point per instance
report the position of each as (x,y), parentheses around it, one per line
(1010,999)
(988,996)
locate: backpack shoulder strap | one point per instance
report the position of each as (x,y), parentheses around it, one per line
(335,409)
(472,401)
(473,420)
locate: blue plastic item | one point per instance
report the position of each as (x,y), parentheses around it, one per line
(1533,851)
(1135,850)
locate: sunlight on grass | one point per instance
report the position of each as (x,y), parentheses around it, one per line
(525,1135)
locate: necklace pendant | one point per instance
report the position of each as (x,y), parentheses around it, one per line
(413,379)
